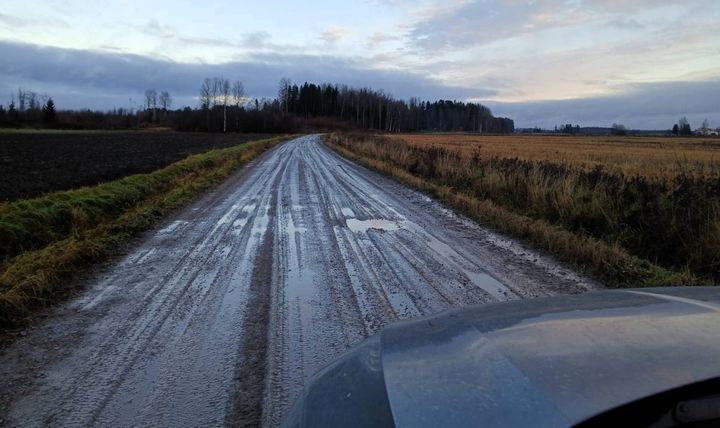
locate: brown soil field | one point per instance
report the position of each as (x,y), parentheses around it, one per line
(34,163)
(655,157)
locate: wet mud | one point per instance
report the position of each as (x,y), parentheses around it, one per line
(220,315)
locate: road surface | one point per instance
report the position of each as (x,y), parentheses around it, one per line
(219,316)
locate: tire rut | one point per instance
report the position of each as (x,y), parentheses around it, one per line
(247,405)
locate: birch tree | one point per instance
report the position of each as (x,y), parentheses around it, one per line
(165,100)
(225,96)
(238,94)
(283,94)
(151,101)
(206,99)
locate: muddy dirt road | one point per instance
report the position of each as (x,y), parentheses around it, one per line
(219,315)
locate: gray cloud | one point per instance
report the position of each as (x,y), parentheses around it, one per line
(641,106)
(378,38)
(478,22)
(100,80)
(334,35)
(13,21)
(255,40)
(626,24)
(10,21)
(154,28)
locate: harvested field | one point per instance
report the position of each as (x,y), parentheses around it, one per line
(652,157)
(34,163)
(654,199)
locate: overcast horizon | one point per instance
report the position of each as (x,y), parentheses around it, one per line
(642,63)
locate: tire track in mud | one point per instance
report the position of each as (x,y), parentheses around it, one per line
(357,251)
(220,316)
(246,406)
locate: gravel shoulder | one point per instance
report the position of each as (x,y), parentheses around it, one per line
(219,315)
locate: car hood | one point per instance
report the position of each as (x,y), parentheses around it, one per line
(544,362)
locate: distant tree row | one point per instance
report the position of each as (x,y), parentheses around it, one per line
(224,107)
(618,129)
(568,129)
(156,111)
(368,109)
(682,127)
(31,108)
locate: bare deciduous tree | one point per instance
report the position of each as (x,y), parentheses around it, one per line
(225,96)
(238,94)
(21,100)
(284,93)
(206,94)
(165,100)
(150,98)
(151,101)
(206,99)
(33,103)
(27,100)
(214,91)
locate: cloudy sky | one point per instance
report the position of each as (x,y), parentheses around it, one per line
(643,63)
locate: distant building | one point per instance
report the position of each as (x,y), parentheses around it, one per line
(707,132)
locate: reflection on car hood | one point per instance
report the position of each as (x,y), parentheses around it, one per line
(544,362)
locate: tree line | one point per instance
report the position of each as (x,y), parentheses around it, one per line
(682,127)
(370,109)
(31,107)
(224,107)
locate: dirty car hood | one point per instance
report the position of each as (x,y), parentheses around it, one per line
(545,362)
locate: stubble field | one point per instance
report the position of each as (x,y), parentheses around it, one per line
(633,210)
(653,157)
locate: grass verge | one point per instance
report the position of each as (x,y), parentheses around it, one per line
(612,264)
(46,241)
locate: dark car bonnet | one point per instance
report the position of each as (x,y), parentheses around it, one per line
(545,362)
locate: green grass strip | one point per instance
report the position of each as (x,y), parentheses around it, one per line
(46,241)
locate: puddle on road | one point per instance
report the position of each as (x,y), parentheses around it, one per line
(358,226)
